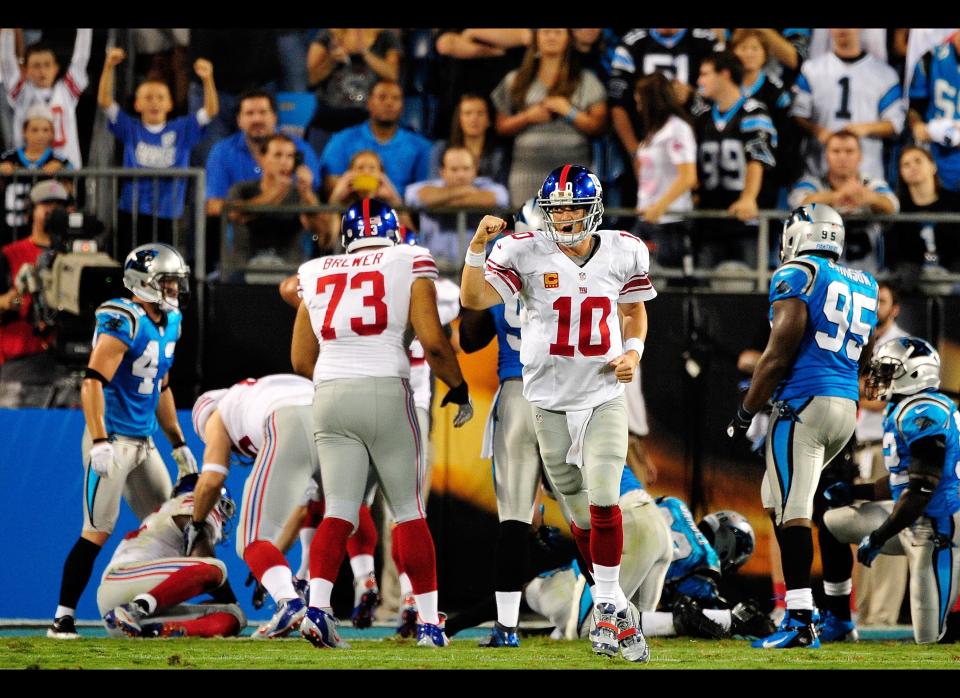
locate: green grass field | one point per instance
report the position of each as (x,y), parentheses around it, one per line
(536,653)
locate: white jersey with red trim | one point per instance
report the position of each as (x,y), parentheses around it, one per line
(61,99)
(159,536)
(246,405)
(359,305)
(570,330)
(448,307)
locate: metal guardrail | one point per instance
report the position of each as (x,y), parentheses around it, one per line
(760,275)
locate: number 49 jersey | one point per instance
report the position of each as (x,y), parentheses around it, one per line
(571,328)
(131,397)
(359,308)
(841,315)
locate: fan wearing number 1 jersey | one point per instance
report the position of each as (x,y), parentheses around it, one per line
(349,336)
(822,318)
(125,394)
(576,283)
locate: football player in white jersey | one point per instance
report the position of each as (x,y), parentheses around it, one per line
(359,306)
(268,419)
(582,336)
(37,83)
(148,578)
(847,89)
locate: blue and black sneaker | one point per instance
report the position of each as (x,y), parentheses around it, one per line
(832,629)
(792,632)
(501,636)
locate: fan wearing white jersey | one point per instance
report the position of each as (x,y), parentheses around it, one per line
(37,83)
(848,89)
(268,419)
(148,578)
(583,291)
(350,335)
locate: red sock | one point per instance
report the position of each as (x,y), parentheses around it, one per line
(395,552)
(417,554)
(328,548)
(186,583)
(606,535)
(582,539)
(216,624)
(780,594)
(261,555)
(314,514)
(364,540)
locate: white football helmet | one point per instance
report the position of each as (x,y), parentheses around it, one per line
(731,535)
(903,366)
(812,228)
(146,269)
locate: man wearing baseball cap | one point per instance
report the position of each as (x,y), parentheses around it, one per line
(27,367)
(23,167)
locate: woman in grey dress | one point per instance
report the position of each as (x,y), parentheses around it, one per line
(552,108)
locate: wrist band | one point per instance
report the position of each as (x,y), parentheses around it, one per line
(743,415)
(214,468)
(100,441)
(475,259)
(635,344)
(178,444)
(572,114)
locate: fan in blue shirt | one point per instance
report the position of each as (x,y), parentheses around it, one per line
(152,142)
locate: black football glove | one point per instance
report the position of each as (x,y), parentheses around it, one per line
(737,428)
(259,592)
(192,533)
(459,396)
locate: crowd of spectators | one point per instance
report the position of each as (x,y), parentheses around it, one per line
(671,120)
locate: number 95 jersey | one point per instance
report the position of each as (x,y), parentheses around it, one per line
(571,329)
(841,316)
(359,307)
(131,397)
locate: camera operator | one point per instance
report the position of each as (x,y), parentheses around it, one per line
(28,370)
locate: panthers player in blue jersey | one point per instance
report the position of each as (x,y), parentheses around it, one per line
(915,510)
(822,316)
(511,441)
(125,394)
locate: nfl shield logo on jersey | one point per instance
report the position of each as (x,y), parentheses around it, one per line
(551,279)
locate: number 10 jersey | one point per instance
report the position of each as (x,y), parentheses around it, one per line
(570,328)
(841,316)
(359,308)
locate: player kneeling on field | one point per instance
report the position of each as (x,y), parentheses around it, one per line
(915,510)
(147,580)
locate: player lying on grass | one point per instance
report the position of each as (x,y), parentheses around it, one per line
(148,579)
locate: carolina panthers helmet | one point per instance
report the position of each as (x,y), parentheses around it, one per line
(731,535)
(529,217)
(903,366)
(204,407)
(571,186)
(369,222)
(812,228)
(149,266)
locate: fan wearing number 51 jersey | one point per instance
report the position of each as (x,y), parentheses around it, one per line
(125,394)
(578,287)
(350,336)
(822,317)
